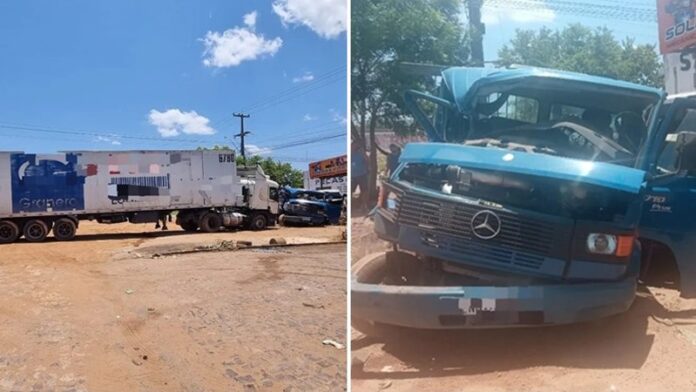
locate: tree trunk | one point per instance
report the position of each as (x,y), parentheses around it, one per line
(372,178)
(362,124)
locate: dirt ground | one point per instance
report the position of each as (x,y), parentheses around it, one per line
(98,314)
(652,347)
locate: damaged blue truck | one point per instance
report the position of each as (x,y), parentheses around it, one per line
(542,198)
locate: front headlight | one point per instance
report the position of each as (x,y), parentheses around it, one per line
(610,244)
(391,201)
(602,244)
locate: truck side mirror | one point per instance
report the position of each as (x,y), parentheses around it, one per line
(686,152)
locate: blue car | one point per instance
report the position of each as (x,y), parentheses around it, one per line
(306,207)
(542,198)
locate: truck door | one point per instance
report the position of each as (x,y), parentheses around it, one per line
(669,208)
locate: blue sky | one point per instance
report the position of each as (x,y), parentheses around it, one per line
(501,22)
(168,75)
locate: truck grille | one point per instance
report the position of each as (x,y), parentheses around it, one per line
(522,241)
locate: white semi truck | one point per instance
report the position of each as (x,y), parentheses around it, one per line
(40,193)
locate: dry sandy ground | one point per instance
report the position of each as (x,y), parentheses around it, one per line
(649,348)
(90,315)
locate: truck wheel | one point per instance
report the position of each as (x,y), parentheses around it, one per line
(9,232)
(258,222)
(64,229)
(35,230)
(211,222)
(189,225)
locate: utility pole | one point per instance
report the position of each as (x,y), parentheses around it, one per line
(242,133)
(476,31)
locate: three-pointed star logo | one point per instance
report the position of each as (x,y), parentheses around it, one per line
(485,224)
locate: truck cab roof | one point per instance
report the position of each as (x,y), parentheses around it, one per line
(467,83)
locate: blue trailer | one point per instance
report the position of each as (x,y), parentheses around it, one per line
(542,199)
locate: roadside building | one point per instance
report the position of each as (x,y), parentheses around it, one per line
(331,173)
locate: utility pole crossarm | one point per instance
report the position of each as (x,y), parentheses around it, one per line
(242,132)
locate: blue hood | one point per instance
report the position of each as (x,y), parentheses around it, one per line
(597,173)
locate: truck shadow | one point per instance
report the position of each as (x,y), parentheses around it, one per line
(124,236)
(622,341)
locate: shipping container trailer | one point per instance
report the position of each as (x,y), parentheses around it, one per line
(43,193)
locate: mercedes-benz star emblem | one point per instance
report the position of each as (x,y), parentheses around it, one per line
(485,224)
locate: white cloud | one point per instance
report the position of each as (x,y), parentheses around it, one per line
(233,46)
(337,117)
(174,122)
(250,19)
(108,139)
(308,117)
(529,11)
(306,77)
(252,149)
(325,17)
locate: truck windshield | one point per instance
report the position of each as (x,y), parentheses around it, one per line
(608,125)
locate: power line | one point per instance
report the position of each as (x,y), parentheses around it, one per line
(297,95)
(335,73)
(313,130)
(581,8)
(71,132)
(40,129)
(320,81)
(307,141)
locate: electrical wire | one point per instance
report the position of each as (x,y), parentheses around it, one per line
(582,8)
(313,130)
(118,137)
(320,81)
(307,141)
(71,133)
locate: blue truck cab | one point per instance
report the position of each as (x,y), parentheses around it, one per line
(542,198)
(310,207)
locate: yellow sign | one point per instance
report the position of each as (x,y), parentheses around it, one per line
(331,167)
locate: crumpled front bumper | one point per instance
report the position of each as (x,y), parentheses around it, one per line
(435,307)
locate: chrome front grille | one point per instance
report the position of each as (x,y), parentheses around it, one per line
(523,241)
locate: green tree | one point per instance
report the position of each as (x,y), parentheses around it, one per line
(386,33)
(582,49)
(281,172)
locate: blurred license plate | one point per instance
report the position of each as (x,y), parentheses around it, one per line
(471,306)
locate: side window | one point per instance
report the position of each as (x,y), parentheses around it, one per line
(684,121)
(516,108)
(273,194)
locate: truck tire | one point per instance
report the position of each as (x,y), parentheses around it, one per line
(211,222)
(9,232)
(189,225)
(64,229)
(35,230)
(258,221)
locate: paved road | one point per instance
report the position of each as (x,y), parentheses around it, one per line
(91,316)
